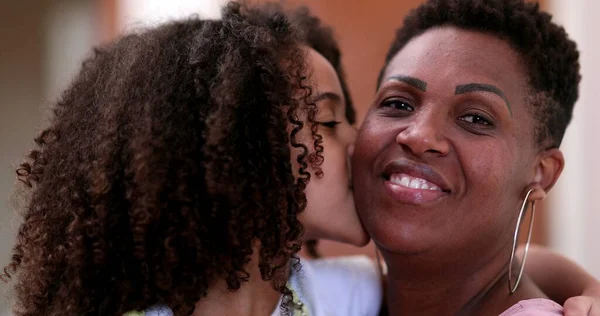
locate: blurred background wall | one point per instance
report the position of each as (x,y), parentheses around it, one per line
(574,202)
(42,43)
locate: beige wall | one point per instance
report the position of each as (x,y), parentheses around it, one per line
(21,91)
(21,95)
(575,210)
(41,45)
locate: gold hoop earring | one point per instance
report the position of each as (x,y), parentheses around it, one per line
(512,289)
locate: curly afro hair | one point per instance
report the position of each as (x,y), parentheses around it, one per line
(321,38)
(165,161)
(550,57)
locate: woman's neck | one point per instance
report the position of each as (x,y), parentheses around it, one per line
(254,298)
(423,284)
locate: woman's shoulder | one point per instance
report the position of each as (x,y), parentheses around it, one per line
(534,307)
(350,283)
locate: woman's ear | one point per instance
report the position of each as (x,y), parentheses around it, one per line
(547,171)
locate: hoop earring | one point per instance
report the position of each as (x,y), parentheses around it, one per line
(513,288)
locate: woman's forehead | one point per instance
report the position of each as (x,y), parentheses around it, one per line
(446,58)
(457,54)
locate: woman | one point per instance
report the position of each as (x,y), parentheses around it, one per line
(334,296)
(472,104)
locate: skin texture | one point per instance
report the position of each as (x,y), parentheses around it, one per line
(476,147)
(330,212)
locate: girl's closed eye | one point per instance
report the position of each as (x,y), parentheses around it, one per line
(330,124)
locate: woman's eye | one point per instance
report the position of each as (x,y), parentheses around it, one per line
(475,119)
(398,104)
(330,124)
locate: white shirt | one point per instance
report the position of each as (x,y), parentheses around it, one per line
(343,286)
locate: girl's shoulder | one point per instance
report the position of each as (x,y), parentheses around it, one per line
(341,285)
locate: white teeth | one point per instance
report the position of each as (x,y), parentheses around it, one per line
(413,182)
(405,181)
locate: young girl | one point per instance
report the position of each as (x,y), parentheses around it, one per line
(174,170)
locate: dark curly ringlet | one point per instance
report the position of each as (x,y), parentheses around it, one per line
(549,56)
(321,38)
(165,161)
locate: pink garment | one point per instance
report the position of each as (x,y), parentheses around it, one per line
(534,307)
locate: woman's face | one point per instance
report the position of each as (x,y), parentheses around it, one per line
(447,152)
(330,212)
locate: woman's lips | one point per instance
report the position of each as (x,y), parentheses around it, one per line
(407,181)
(412,195)
(410,182)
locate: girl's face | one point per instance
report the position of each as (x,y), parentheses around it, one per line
(330,212)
